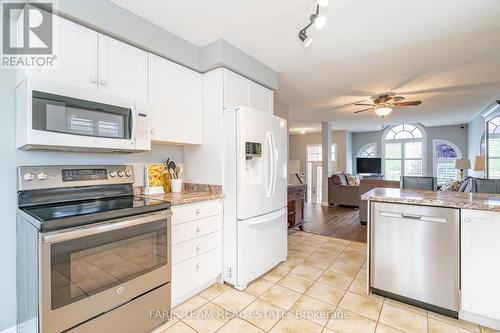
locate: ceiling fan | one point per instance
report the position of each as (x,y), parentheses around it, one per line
(384,103)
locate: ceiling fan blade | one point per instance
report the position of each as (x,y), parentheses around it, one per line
(413,103)
(364,104)
(364,110)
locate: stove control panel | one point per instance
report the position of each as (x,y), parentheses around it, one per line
(39,177)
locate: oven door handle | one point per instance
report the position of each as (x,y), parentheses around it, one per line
(79,232)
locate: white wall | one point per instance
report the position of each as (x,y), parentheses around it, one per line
(11,158)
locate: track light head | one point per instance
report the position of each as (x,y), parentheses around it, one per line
(318,20)
(306,41)
(322,3)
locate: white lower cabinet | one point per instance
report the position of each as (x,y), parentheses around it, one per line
(196,248)
(480,266)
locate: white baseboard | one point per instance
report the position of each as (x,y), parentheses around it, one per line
(480,320)
(12,329)
(325,204)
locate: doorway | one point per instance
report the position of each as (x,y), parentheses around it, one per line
(314,180)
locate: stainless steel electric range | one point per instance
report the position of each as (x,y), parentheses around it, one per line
(91,256)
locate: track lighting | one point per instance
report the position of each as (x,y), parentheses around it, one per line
(306,41)
(317,19)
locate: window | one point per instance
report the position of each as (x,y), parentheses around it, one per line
(403,151)
(445,153)
(493,148)
(368,151)
(315,153)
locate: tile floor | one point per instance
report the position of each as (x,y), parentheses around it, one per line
(320,288)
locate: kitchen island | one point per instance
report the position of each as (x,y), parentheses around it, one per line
(436,250)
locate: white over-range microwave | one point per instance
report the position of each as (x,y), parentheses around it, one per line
(55,116)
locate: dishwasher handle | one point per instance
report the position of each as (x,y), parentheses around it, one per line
(413,217)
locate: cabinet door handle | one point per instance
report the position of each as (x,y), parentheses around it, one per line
(467,220)
(198,211)
(198,229)
(103,82)
(198,247)
(198,265)
(93,80)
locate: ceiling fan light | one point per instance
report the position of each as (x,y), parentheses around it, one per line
(322,3)
(384,111)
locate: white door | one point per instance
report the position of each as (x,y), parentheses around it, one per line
(253,174)
(262,244)
(76,50)
(279,157)
(123,69)
(260,98)
(176,98)
(314,179)
(480,267)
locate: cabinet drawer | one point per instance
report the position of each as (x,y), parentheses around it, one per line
(192,273)
(194,229)
(194,247)
(190,212)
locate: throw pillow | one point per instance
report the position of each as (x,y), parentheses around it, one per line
(451,186)
(352,180)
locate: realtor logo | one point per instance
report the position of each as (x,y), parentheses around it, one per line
(27,30)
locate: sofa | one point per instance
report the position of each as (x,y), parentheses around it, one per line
(340,193)
(367,185)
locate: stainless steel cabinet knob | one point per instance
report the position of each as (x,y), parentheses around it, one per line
(198,247)
(198,211)
(466,220)
(198,229)
(103,82)
(93,80)
(198,265)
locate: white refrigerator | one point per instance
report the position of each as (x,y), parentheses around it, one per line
(255,189)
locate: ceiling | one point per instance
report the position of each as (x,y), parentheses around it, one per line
(445,53)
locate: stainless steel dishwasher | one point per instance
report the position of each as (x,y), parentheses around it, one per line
(415,255)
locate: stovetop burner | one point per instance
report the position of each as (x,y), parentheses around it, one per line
(72,214)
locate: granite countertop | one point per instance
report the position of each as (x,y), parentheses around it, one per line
(477,201)
(185,197)
(191,193)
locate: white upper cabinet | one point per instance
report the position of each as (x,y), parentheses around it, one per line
(176,99)
(235,90)
(123,69)
(240,91)
(76,50)
(480,265)
(260,98)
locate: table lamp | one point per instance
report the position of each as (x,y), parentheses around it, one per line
(462,164)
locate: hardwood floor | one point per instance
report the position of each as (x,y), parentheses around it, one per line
(340,222)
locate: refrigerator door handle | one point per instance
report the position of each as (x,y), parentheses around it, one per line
(266,218)
(270,165)
(275,164)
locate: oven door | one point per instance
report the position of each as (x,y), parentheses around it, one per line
(90,270)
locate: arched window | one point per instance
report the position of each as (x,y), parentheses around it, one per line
(444,155)
(403,153)
(368,151)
